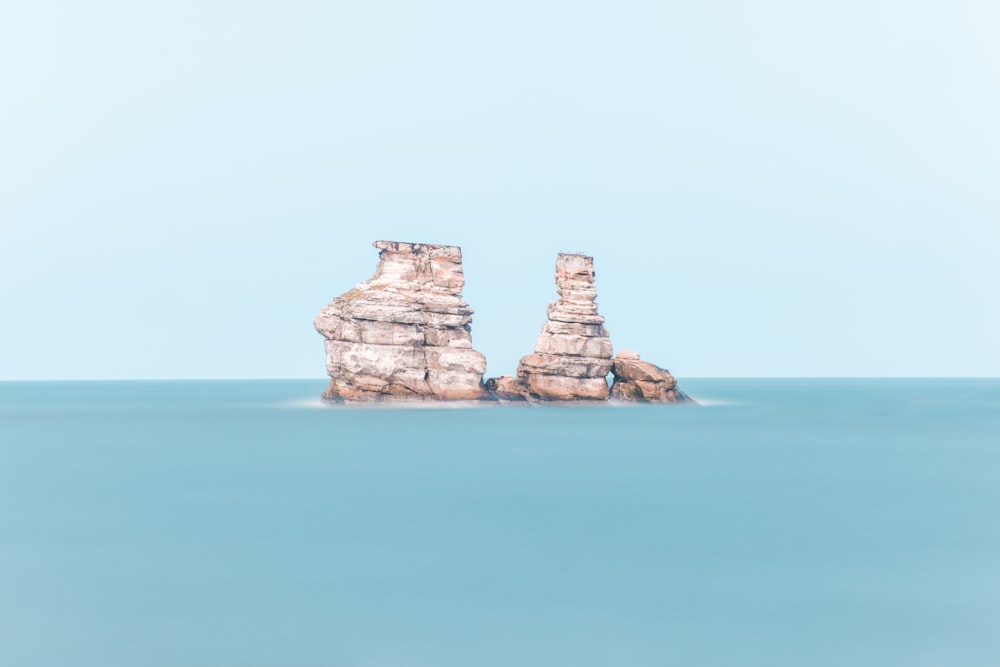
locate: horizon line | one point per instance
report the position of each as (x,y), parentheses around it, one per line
(679,378)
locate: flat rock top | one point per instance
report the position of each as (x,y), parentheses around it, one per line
(419,248)
(417,266)
(574,258)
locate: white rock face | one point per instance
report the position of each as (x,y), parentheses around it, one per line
(405,332)
(573,353)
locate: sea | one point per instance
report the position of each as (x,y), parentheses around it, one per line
(778,522)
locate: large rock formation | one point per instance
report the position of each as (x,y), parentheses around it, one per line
(641,381)
(405,332)
(572,356)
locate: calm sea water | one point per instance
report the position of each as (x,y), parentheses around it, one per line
(805,523)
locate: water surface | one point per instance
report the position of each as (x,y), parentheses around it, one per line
(243,524)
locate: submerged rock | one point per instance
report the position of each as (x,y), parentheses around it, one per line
(572,355)
(641,381)
(405,332)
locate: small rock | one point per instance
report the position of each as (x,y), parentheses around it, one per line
(643,382)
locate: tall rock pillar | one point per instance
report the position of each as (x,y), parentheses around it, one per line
(572,356)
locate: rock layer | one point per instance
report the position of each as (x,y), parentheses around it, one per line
(641,381)
(572,356)
(405,332)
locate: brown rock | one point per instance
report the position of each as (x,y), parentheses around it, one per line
(626,391)
(405,332)
(565,365)
(572,355)
(505,387)
(643,382)
(563,388)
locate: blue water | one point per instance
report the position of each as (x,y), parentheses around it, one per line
(806,523)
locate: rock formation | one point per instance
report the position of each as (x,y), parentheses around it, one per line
(405,332)
(641,381)
(572,356)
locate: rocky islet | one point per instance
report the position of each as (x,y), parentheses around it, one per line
(406,334)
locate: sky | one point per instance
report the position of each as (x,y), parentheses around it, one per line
(777,188)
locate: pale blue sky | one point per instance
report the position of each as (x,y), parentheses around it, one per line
(771,188)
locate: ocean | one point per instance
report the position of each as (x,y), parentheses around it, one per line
(799,523)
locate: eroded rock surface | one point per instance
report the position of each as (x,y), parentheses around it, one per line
(641,381)
(405,332)
(572,355)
